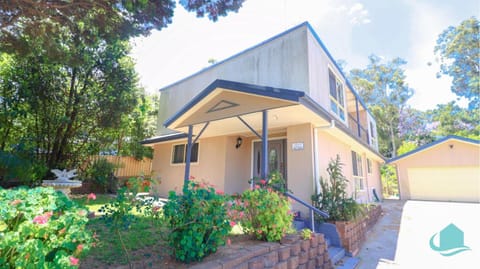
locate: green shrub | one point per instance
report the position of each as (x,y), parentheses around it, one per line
(333,196)
(101,171)
(41,228)
(14,166)
(197,220)
(267,213)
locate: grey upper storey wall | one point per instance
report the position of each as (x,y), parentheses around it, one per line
(279,62)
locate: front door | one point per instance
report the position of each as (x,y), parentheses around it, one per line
(276,157)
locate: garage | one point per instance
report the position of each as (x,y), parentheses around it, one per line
(445,170)
(445,184)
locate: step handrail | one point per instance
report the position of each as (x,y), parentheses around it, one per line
(310,207)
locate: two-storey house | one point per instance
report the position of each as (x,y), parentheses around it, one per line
(282,105)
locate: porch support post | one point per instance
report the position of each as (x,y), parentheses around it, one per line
(264,164)
(189,154)
(358,118)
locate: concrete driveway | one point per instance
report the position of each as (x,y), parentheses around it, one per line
(409,236)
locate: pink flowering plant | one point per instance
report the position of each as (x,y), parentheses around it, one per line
(41,228)
(197,220)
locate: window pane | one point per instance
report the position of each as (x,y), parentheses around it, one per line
(359,165)
(333,84)
(194,157)
(340,93)
(178,154)
(333,106)
(354,163)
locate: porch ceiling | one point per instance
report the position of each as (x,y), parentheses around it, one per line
(278,118)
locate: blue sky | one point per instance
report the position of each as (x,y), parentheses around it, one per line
(351,30)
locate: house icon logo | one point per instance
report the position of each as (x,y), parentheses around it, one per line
(450,241)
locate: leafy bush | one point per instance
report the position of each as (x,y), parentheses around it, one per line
(198,221)
(101,172)
(267,213)
(14,166)
(41,228)
(333,196)
(139,184)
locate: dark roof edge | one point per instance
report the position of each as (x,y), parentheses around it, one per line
(163,138)
(235,55)
(434,143)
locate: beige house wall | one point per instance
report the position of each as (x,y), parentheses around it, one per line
(442,155)
(329,147)
(300,164)
(210,166)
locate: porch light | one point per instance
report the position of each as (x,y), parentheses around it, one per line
(239,142)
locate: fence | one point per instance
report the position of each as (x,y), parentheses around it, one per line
(129,166)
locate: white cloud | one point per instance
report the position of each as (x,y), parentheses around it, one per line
(358,14)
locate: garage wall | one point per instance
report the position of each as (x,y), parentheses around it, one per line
(447,157)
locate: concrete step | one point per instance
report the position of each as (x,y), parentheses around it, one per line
(299,224)
(347,263)
(336,254)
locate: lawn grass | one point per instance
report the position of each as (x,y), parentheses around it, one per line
(142,233)
(94,205)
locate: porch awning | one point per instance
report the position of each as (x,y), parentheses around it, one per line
(222,102)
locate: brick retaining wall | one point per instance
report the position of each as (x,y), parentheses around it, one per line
(352,233)
(292,252)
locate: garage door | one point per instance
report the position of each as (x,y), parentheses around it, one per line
(445,184)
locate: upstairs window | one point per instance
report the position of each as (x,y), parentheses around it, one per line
(358,171)
(337,101)
(179,153)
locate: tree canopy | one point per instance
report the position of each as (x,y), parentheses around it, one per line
(382,86)
(458,49)
(47,22)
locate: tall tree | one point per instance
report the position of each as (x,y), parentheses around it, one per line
(451,119)
(46,20)
(458,49)
(382,86)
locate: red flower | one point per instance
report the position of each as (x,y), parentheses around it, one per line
(73,260)
(262,181)
(232,223)
(91,196)
(219,192)
(80,248)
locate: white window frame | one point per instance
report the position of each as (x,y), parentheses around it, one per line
(357,171)
(341,111)
(184,157)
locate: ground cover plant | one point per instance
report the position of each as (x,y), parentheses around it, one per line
(41,228)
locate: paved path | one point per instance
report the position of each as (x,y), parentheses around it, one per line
(403,235)
(382,239)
